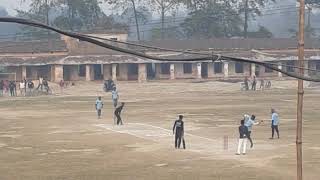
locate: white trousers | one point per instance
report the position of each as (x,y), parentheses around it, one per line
(244,143)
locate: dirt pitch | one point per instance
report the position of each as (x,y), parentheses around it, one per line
(59,137)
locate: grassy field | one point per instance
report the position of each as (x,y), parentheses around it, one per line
(60,138)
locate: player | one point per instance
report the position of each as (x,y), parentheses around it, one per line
(178,130)
(274,123)
(117,113)
(115,97)
(249,122)
(99,106)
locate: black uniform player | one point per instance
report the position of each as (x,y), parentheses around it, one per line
(178,130)
(117,113)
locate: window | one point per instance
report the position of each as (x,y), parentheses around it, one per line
(289,66)
(187,68)
(82,70)
(268,70)
(239,67)
(317,65)
(217,67)
(165,68)
(133,69)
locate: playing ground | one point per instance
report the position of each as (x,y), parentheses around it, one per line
(60,138)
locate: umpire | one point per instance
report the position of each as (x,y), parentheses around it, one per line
(178,130)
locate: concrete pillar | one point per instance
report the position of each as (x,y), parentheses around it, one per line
(24,72)
(279,67)
(56,73)
(158,71)
(226,69)
(253,70)
(306,65)
(107,71)
(199,71)
(172,72)
(74,73)
(179,71)
(195,70)
(114,72)
(89,72)
(123,72)
(210,70)
(142,77)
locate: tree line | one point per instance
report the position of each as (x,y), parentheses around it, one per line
(204,19)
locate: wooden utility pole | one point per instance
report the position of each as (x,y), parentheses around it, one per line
(300,89)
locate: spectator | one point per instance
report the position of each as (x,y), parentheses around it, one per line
(1,87)
(61,85)
(21,87)
(12,88)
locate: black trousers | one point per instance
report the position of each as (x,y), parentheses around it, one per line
(178,139)
(253,86)
(40,85)
(99,112)
(246,86)
(119,120)
(275,127)
(12,92)
(249,138)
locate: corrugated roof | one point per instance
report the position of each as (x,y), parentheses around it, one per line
(71,60)
(231,44)
(33,46)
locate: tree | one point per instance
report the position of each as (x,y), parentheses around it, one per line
(309,5)
(125,4)
(3,12)
(141,16)
(262,32)
(315,3)
(79,14)
(40,9)
(28,32)
(142,12)
(163,7)
(214,20)
(253,8)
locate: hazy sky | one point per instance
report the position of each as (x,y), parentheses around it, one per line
(11,5)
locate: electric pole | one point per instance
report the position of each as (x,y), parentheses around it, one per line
(246,17)
(47,12)
(300,89)
(136,19)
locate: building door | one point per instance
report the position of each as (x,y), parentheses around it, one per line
(97,68)
(151,71)
(133,71)
(257,71)
(204,70)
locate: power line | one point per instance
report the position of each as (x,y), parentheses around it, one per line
(213,57)
(178,19)
(147,24)
(175,20)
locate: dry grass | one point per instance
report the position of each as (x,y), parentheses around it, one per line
(59,137)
